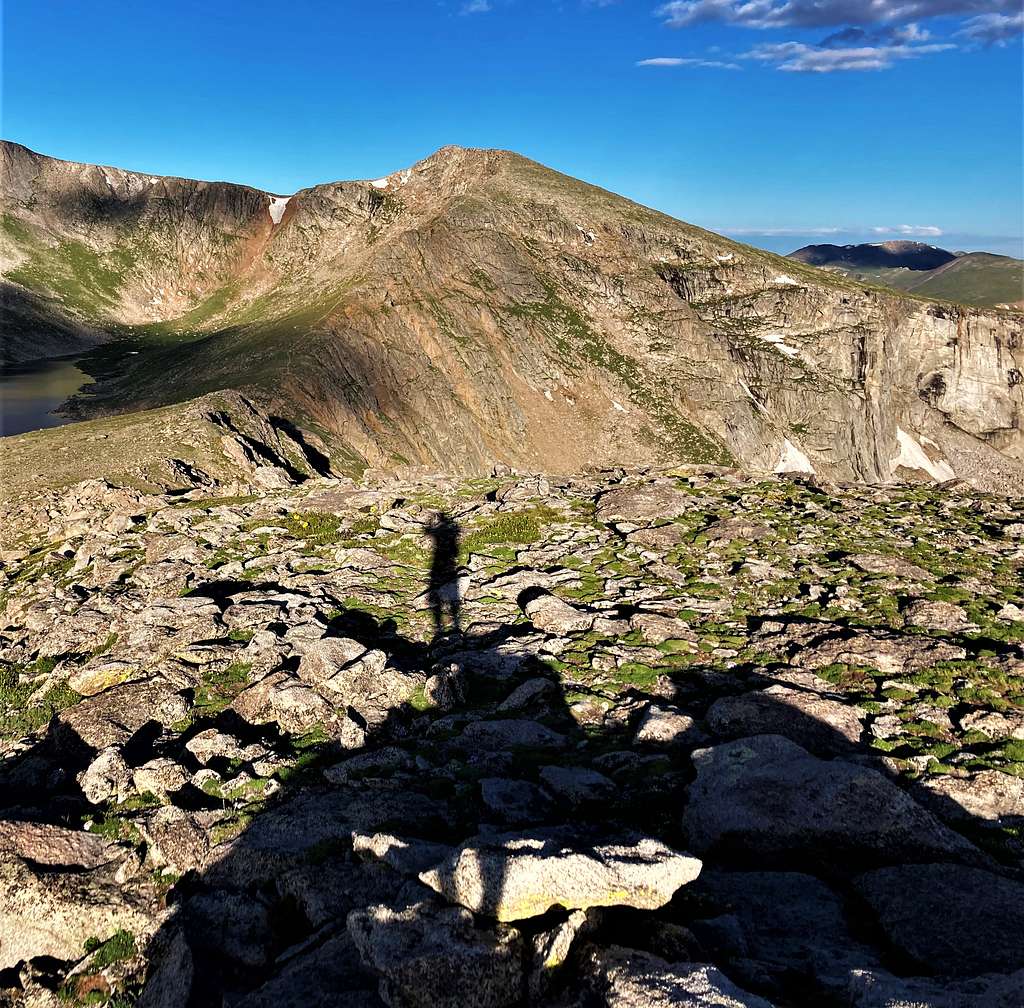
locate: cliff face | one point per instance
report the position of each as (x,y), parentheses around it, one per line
(479,307)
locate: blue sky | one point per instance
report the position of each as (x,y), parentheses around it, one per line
(778,121)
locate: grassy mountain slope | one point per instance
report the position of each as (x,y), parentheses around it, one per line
(977,278)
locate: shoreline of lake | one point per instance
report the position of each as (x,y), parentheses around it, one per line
(30,391)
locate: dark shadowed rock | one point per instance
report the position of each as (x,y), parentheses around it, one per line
(382,762)
(879,989)
(576,785)
(766,797)
(296,828)
(436,957)
(949,919)
(328,975)
(513,733)
(777,925)
(409,856)
(514,802)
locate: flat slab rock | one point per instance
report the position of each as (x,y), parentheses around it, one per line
(989,795)
(626,978)
(52,913)
(55,846)
(949,919)
(813,721)
(767,796)
(515,876)
(667,727)
(550,613)
(654,500)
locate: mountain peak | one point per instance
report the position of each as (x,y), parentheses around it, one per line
(899,254)
(479,308)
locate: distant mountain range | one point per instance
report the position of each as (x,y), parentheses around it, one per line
(974,278)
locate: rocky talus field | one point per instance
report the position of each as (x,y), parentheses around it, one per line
(628,738)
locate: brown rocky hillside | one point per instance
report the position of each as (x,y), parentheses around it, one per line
(480,308)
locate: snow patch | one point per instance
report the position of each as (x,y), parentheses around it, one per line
(588,236)
(277,207)
(153,180)
(750,395)
(779,343)
(725,257)
(913,456)
(548,395)
(792,460)
(785,280)
(618,406)
(381,183)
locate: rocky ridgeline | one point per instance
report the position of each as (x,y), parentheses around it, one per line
(689,738)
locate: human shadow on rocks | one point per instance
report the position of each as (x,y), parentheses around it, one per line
(507,836)
(445,580)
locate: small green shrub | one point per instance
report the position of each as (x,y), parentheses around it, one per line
(510,527)
(218,689)
(119,946)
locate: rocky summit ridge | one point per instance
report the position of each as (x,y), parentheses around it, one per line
(629,738)
(479,308)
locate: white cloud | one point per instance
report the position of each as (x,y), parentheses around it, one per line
(993,29)
(476,7)
(688,61)
(915,230)
(821,13)
(798,57)
(912,32)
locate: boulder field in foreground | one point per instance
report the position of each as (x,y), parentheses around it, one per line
(699,738)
